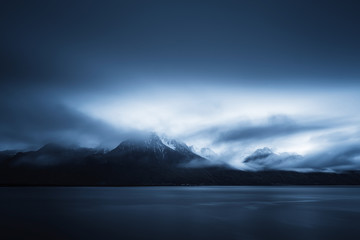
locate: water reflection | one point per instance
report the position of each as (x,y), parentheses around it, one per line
(180,213)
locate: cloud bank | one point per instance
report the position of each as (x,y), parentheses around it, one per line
(274,127)
(33,122)
(343,158)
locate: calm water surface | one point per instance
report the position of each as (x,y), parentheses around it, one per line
(180,213)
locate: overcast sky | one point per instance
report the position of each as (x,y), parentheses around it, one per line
(234,76)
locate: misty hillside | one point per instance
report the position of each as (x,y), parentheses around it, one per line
(147,160)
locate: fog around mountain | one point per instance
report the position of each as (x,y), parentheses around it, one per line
(232,77)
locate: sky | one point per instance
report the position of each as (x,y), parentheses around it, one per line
(234,76)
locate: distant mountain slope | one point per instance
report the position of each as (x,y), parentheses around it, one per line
(52,154)
(146,160)
(151,151)
(266,159)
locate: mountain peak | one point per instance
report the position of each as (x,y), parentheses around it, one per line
(141,142)
(174,144)
(152,149)
(260,153)
(153,139)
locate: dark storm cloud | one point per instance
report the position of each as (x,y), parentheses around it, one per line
(32,122)
(274,127)
(309,42)
(51,51)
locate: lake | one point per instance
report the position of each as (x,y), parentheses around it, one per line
(179,213)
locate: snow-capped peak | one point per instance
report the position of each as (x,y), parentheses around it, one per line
(204,152)
(168,142)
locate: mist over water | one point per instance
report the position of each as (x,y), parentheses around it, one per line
(180,213)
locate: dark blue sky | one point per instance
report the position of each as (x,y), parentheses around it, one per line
(305,42)
(233,75)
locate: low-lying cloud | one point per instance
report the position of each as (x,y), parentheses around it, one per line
(274,127)
(343,158)
(31,122)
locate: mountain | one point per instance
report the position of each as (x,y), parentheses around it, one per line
(150,150)
(259,154)
(52,154)
(205,153)
(147,160)
(266,159)
(141,160)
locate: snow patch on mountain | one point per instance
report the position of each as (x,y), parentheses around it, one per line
(168,142)
(205,152)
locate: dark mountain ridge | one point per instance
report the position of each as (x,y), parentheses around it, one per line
(151,151)
(147,160)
